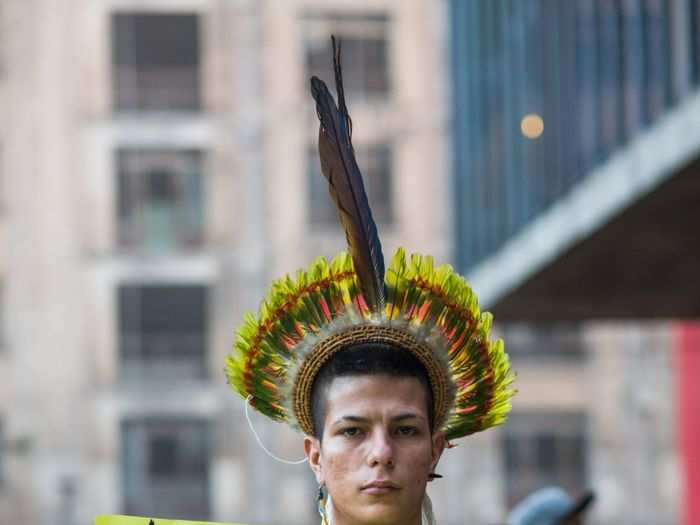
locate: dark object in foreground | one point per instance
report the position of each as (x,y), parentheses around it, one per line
(550,506)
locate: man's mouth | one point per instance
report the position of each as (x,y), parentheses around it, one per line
(379,486)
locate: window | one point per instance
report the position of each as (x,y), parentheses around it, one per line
(375,165)
(542,449)
(162,332)
(365,52)
(560,341)
(165,467)
(160,200)
(162,456)
(155,62)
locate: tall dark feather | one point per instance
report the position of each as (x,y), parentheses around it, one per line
(339,166)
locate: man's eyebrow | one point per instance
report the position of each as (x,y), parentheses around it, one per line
(407,415)
(359,419)
(351,418)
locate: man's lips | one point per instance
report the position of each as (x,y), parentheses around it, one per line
(379,486)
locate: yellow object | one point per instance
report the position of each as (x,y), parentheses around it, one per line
(532,126)
(140,520)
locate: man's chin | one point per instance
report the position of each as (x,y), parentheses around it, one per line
(383,512)
(386,509)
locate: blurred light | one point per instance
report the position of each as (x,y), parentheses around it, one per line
(532,126)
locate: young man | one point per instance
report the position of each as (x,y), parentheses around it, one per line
(375,447)
(378,367)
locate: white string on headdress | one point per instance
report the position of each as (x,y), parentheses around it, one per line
(257,438)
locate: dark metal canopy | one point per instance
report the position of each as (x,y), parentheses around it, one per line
(643,264)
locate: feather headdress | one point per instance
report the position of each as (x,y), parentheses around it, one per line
(429,311)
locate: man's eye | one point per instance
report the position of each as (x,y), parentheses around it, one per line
(407,431)
(351,432)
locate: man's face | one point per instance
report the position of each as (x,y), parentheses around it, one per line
(377,450)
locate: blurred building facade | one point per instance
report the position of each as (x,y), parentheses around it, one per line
(159,167)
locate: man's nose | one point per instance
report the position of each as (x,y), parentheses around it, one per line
(382,449)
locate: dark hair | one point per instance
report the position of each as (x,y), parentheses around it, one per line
(366,359)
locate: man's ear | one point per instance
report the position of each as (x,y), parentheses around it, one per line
(438,446)
(312,449)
